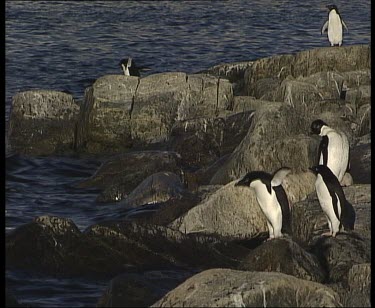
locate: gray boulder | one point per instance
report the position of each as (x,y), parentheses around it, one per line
(233,212)
(141,289)
(247,103)
(124,111)
(339,254)
(234,72)
(278,136)
(360,163)
(232,288)
(309,221)
(285,256)
(104,120)
(157,188)
(306,63)
(42,122)
(122,173)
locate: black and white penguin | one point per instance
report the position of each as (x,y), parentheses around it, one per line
(333,148)
(334,25)
(339,212)
(271,198)
(129,67)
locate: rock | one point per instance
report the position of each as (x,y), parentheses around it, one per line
(278,137)
(141,289)
(226,288)
(363,120)
(266,88)
(161,246)
(234,72)
(161,99)
(169,210)
(359,280)
(198,141)
(233,212)
(42,122)
(360,163)
(306,63)
(309,221)
(104,120)
(122,173)
(285,256)
(124,111)
(339,254)
(247,103)
(10,300)
(157,188)
(55,246)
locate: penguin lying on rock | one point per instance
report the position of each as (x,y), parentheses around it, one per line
(339,212)
(271,198)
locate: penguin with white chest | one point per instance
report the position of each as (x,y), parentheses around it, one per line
(333,148)
(334,26)
(271,198)
(339,212)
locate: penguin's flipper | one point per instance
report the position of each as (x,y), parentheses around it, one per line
(323,151)
(325,27)
(343,23)
(129,62)
(279,176)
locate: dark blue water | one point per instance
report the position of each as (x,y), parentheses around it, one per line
(64,45)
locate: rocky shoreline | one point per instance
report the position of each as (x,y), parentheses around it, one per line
(177,143)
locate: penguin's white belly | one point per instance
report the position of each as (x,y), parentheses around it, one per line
(334,29)
(268,203)
(338,154)
(325,200)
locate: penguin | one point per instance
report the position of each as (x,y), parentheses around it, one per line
(129,67)
(271,198)
(334,26)
(333,148)
(339,212)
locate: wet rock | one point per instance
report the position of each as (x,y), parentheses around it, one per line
(339,254)
(55,246)
(157,188)
(225,288)
(104,121)
(42,122)
(141,289)
(119,175)
(285,256)
(162,246)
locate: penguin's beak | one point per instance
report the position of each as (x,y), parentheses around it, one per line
(242,182)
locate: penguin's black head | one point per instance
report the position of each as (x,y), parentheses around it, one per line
(124,62)
(316,126)
(331,7)
(253,176)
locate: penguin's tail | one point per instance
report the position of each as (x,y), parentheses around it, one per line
(348,217)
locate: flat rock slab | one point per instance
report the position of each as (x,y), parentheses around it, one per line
(232,288)
(42,122)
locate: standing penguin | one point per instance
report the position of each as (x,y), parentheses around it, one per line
(338,210)
(333,148)
(271,198)
(334,25)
